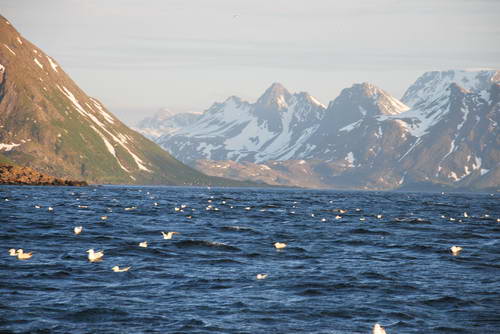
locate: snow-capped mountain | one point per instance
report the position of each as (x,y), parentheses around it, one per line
(164,122)
(431,85)
(274,127)
(50,124)
(443,132)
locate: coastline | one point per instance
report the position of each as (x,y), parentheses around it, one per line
(18,175)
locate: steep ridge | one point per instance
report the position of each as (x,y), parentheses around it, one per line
(462,145)
(445,134)
(164,122)
(47,122)
(275,127)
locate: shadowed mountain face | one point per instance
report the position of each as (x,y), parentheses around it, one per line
(47,122)
(443,133)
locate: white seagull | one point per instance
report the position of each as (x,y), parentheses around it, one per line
(12,252)
(117,269)
(261,276)
(23,256)
(95,256)
(78,229)
(168,235)
(377,329)
(455,250)
(143,244)
(279,245)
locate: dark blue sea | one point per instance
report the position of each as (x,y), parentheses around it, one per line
(336,275)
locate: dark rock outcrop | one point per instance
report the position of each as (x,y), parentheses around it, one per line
(18,175)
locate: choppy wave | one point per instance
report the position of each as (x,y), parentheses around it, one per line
(336,275)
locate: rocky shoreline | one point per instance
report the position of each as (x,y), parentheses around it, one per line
(17,175)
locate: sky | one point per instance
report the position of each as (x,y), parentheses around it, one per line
(139,56)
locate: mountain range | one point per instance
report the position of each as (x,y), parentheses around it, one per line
(442,133)
(48,123)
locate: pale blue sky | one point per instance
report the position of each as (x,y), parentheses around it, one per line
(138,56)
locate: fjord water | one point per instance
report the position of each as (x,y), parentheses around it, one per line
(335,276)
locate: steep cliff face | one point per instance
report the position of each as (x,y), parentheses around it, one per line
(47,122)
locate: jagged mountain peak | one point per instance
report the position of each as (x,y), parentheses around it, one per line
(276,96)
(234,99)
(366,138)
(365,99)
(308,98)
(430,86)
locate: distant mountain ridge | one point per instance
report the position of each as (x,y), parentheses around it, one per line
(443,133)
(165,121)
(48,123)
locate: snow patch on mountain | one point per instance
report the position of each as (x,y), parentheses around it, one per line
(9,49)
(53,64)
(431,85)
(8,147)
(38,63)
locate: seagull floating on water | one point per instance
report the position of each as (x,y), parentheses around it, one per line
(379,216)
(377,329)
(168,235)
(95,256)
(261,276)
(143,244)
(21,255)
(117,269)
(78,229)
(455,250)
(279,245)
(12,252)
